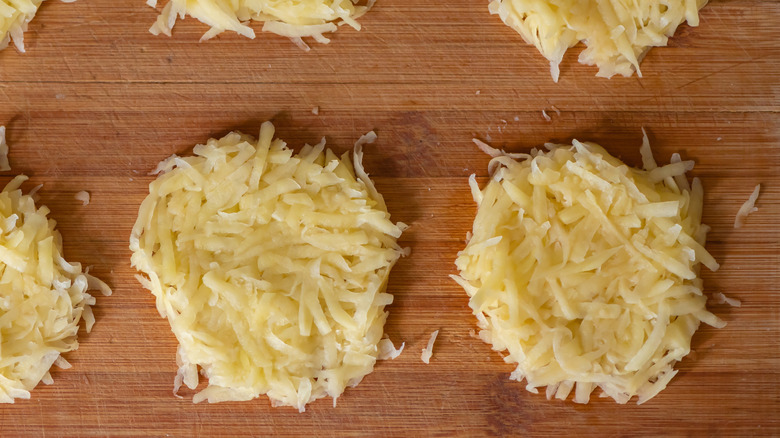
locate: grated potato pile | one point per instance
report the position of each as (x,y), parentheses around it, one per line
(586,271)
(617,34)
(271,267)
(42,296)
(14,17)
(295,19)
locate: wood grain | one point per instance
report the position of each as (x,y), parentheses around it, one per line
(97,101)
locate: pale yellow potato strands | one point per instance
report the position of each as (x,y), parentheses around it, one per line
(617,34)
(14,17)
(747,208)
(4,164)
(42,296)
(427,352)
(295,19)
(270,267)
(585,271)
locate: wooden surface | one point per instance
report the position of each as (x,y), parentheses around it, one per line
(97,101)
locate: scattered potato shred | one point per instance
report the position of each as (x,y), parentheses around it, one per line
(723,299)
(4,164)
(42,296)
(427,352)
(271,267)
(295,19)
(586,271)
(83,196)
(617,34)
(14,17)
(387,350)
(748,207)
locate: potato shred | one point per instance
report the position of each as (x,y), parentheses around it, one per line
(42,296)
(427,352)
(14,17)
(747,208)
(586,271)
(270,267)
(4,164)
(617,34)
(295,19)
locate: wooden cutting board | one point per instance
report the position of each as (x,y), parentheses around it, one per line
(97,101)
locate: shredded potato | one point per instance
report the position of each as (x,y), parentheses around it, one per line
(270,267)
(617,34)
(295,19)
(42,296)
(586,271)
(747,208)
(387,350)
(720,298)
(83,196)
(14,17)
(4,164)
(427,352)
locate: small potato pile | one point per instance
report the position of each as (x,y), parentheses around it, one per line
(585,271)
(270,266)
